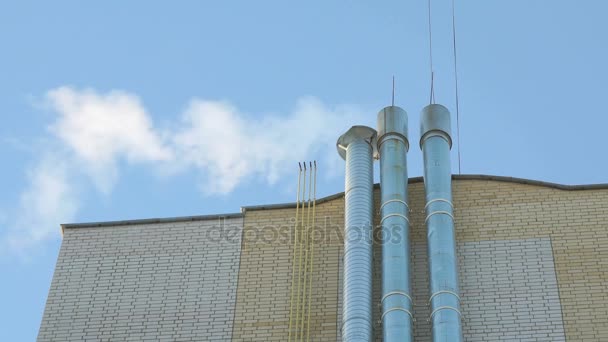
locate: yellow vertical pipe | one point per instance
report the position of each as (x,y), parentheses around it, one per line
(306,244)
(293,259)
(312,253)
(300,260)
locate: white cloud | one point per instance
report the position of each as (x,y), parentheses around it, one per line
(226,145)
(230,147)
(96,131)
(48,200)
(102,128)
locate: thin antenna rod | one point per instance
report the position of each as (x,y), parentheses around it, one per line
(393,100)
(293,260)
(432,100)
(456,82)
(432,96)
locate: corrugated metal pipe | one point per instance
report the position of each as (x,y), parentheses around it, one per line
(444,300)
(396,299)
(356,147)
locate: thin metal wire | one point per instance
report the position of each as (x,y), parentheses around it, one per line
(432,96)
(293,260)
(303,254)
(393,98)
(456,81)
(300,257)
(312,251)
(306,245)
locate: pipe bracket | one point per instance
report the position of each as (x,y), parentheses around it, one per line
(444,292)
(397,309)
(391,215)
(392,293)
(445,308)
(439,200)
(394,200)
(439,212)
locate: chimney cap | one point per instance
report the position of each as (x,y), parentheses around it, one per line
(392,120)
(356,133)
(435,121)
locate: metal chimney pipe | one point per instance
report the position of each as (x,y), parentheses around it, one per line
(436,143)
(396,296)
(356,147)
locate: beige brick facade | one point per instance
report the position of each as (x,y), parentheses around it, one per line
(263,294)
(145,281)
(576,223)
(533,265)
(571,224)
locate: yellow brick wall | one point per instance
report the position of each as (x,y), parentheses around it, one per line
(575,221)
(262,312)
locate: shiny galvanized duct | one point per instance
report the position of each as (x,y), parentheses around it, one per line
(436,143)
(355,146)
(396,296)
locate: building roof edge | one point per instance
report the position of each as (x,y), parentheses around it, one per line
(413,180)
(148,221)
(244,209)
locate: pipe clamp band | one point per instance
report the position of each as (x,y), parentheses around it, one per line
(444,308)
(392,293)
(391,215)
(436,133)
(439,200)
(394,200)
(394,136)
(444,292)
(397,309)
(438,212)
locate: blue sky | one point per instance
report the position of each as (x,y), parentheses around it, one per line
(121,111)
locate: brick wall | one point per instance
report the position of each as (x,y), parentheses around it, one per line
(523,250)
(510,291)
(576,222)
(533,267)
(262,310)
(156,282)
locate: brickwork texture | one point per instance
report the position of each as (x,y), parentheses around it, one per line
(153,282)
(533,267)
